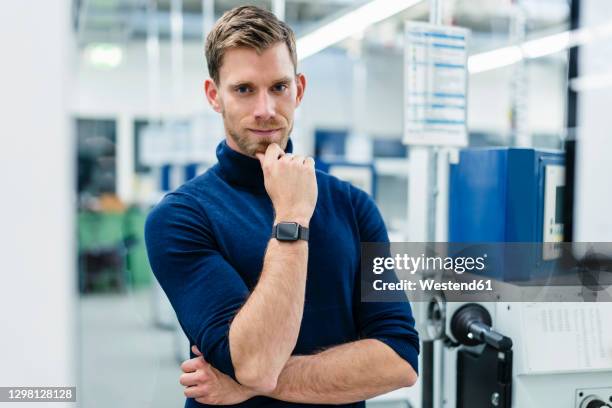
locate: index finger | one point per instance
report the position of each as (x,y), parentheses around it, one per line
(309,161)
(191,365)
(273,152)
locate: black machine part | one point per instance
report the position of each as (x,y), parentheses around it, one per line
(484,377)
(593,402)
(471,325)
(484,363)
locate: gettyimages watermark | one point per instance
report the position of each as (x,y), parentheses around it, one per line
(487,272)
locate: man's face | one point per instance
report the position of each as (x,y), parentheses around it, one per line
(257,96)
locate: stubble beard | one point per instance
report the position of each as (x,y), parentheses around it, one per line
(249,146)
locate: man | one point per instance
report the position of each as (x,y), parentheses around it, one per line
(260,255)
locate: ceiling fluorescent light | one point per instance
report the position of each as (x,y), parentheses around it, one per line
(498,58)
(106,56)
(539,47)
(591,82)
(350,24)
(547,45)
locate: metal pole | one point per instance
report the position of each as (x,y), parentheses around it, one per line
(519,135)
(278,8)
(176,37)
(153,62)
(427,374)
(572,121)
(208,17)
(435,12)
(435,17)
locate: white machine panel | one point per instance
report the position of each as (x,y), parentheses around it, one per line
(552,228)
(566,337)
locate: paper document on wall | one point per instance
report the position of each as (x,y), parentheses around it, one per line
(435,85)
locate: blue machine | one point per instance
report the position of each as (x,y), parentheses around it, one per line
(507,195)
(173,175)
(330,143)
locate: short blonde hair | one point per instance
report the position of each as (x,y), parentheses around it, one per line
(250,27)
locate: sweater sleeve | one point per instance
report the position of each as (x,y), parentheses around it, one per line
(390,322)
(205,291)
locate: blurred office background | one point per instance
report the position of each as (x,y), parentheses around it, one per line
(104,112)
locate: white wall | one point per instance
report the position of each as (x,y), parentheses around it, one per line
(594,140)
(331,89)
(125,89)
(37,289)
(489,99)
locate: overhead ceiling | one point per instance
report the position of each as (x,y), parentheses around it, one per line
(121,21)
(124,20)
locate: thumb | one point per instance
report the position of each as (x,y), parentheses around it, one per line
(196,351)
(261,157)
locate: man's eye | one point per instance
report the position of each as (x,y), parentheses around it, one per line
(243,89)
(280,87)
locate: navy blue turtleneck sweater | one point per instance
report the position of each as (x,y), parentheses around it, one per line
(206,243)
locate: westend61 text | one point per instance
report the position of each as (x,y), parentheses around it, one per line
(430,284)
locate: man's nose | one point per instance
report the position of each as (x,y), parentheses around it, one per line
(264,108)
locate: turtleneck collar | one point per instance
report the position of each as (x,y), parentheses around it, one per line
(240,169)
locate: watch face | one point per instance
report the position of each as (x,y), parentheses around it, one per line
(287,231)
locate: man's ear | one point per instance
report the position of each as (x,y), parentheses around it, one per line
(300,80)
(212,94)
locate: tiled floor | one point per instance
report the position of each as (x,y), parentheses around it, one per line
(125,361)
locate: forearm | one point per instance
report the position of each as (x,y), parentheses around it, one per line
(264,332)
(344,374)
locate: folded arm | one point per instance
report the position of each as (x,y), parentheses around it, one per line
(340,375)
(262,339)
(344,374)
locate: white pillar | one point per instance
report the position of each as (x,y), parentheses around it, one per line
(37,208)
(593,195)
(278,8)
(418,195)
(125,158)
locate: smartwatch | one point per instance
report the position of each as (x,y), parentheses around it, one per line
(289,231)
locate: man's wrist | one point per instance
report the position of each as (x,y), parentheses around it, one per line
(249,393)
(304,222)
